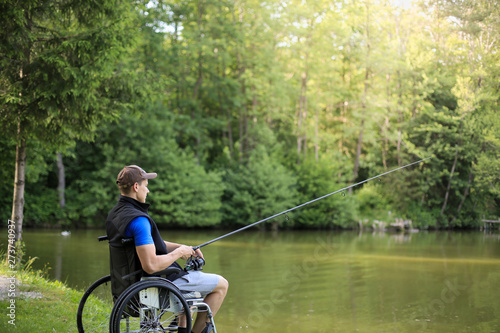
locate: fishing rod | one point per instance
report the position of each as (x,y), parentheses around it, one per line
(304,204)
(196,263)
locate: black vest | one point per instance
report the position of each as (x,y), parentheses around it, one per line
(123,257)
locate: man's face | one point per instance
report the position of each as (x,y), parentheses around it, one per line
(142,191)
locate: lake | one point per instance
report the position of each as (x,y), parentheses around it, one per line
(328,281)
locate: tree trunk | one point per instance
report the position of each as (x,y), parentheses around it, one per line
(61,185)
(20,167)
(316,136)
(344,108)
(253,118)
(19,182)
(365,98)
(361,130)
(401,52)
(302,121)
(466,192)
(225,112)
(199,82)
(242,117)
(343,113)
(449,182)
(400,117)
(241,71)
(385,126)
(302,117)
(358,149)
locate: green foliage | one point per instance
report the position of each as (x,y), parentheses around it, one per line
(372,203)
(316,179)
(248,108)
(257,190)
(42,209)
(42,205)
(183,194)
(422,217)
(57,67)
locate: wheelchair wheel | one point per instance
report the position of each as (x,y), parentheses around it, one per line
(95,307)
(150,306)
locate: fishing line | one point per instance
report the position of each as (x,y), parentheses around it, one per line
(306,203)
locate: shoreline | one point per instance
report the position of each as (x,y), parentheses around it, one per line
(35,303)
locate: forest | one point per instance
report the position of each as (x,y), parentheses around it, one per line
(248,108)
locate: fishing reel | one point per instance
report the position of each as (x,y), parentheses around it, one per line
(194,264)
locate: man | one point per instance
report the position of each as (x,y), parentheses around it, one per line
(149,253)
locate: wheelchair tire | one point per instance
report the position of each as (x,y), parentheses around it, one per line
(149,306)
(95,307)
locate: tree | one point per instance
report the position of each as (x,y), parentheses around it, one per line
(318,178)
(58,74)
(259,189)
(184,193)
(348,89)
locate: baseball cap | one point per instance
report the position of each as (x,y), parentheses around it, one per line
(132,174)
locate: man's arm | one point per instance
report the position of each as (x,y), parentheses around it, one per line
(152,263)
(140,230)
(173,246)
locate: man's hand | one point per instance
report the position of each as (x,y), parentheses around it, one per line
(184,251)
(198,253)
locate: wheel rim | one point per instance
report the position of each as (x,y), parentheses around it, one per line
(151,306)
(95,307)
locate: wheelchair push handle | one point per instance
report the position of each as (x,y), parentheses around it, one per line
(124,240)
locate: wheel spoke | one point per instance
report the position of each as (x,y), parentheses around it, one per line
(95,307)
(150,306)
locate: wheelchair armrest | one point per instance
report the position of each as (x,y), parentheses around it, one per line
(167,271)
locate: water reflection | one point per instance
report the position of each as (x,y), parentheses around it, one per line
(324,281)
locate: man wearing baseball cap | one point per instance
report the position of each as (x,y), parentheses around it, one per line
(149,253)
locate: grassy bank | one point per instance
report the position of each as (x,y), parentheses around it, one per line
(37,305)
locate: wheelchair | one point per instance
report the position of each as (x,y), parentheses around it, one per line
(153,304)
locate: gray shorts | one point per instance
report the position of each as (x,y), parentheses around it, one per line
(204,283)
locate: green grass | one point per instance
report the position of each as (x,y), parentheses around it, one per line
(54,310)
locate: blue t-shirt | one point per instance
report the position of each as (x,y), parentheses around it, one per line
(140,230)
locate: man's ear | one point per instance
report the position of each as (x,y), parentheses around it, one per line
(135,187)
